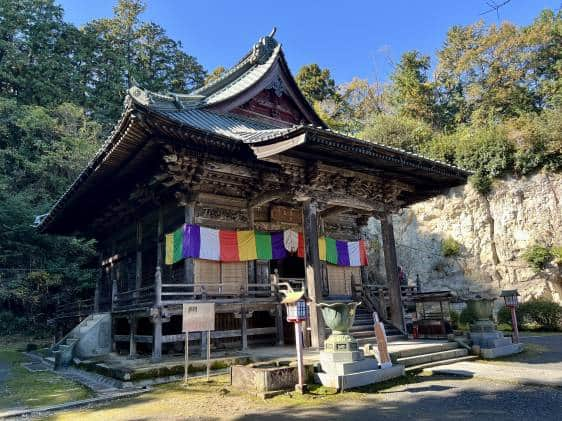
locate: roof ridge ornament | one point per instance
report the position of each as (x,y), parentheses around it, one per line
(262,50)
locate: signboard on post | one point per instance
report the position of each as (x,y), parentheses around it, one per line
(198,317)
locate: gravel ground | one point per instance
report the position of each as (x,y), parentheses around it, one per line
(551,350)
(426,398)
(440,398)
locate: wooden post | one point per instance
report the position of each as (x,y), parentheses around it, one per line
(160,239)
(251,263)
(132,333)
(362,232)
(300,360)
(114,292)
(97,292)
(189,269)
(312,271)
(274,281)
(157,317)
(138,266)
(514,324)
(391,266)
(244,327)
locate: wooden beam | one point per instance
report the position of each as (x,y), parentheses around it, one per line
(332,210)
(266,197)
(391,266)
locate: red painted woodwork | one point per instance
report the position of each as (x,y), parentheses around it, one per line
(270,106)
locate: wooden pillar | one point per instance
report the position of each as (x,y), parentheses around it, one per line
(97,292)
(138,266)
(160,239)
(312,271)
(362,224)
(157,317)
(189,267)
(244,327)
(251,263)
(274,281)
(132,333)
(391,266)
(157,309)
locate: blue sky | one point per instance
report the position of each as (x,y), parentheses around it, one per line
(351,38)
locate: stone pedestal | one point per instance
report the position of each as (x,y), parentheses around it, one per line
(343,365)
(491,342)
(349,369)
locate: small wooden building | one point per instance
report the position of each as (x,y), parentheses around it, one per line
(244,152)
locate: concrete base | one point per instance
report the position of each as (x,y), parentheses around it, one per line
(362,378)
(501,351)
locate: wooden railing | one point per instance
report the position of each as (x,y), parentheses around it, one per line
(179,293)
(78,308)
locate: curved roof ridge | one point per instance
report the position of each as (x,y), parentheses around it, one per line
(259,54)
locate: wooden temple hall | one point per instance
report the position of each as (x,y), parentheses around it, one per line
(273,194)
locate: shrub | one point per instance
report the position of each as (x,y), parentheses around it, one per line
(481,182)
(504,316)
(450,247)
(31,347)
(10,324)
(397,131)
(454,319)
(538,256)
(546,314)
(557,254)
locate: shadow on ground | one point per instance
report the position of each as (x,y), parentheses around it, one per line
(447,398)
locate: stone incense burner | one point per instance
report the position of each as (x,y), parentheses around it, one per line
(339,317)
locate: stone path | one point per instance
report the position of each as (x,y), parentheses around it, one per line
(510,373)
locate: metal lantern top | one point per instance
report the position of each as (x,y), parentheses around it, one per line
(297,308)
(510,297)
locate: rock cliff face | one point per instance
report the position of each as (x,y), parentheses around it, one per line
(493,231)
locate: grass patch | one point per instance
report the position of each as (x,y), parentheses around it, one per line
(24,389)
(217,399)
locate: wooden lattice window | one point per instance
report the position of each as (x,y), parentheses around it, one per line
(208,274)
(233,277)
(221,278)
(339,279)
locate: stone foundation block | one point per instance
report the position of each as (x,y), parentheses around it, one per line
(502,351)
(341,369)
(362,378)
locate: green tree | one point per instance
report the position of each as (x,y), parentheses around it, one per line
(412,93)
(397,131)
(316,83)
(39,53)
(41,151)
(126,49)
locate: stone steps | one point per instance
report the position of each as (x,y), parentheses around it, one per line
(440,357)
(96,382)
(373,340)
(441,362)
(425,349)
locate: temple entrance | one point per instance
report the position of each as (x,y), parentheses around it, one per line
(289,267)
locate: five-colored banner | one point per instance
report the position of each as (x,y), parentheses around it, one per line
(236,246)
